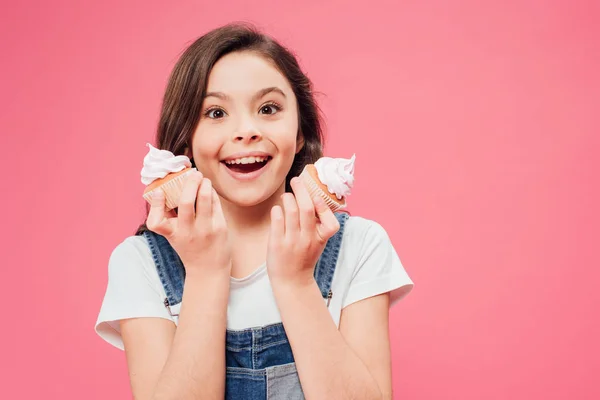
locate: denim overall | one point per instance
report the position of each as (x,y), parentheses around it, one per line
(260,364)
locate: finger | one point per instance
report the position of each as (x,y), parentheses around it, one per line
(157,220)
(328,224)
(171,214)
(306,206)
(292,223)
(185,209)
(277,225)
(204,202)
(217,210)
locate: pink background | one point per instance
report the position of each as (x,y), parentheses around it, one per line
(476,133)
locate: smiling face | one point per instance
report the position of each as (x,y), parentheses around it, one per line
(247,136)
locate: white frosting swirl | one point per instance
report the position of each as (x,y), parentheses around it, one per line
(160,163)
(337,174)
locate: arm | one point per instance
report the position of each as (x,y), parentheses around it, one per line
(192,364)
(169,363)
(352,363)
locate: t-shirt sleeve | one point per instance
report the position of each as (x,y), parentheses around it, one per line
(379,269)
(133,291)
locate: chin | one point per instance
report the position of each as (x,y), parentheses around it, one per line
(249,197)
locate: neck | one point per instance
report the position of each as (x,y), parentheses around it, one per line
(250,219)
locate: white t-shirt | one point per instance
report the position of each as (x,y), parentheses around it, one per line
(367,266)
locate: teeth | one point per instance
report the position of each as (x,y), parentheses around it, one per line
(246,160)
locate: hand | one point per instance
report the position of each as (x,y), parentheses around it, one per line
(298,236)
(198,236)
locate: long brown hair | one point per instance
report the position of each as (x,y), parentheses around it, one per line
(186,89)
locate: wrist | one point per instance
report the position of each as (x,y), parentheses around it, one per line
(299,281)
(205,273)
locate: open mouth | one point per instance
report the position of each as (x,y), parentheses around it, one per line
(247,165)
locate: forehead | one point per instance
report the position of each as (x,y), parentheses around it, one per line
(245,73)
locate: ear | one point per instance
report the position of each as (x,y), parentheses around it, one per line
(299,142)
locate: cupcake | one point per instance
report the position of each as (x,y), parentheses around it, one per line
(164,171)
(331,179)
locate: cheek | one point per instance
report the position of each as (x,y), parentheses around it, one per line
(205,144)
(286,132)
(205,153)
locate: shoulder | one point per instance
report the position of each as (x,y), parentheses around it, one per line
(361,231)
(369,263)
(131,246)
(363,239)
(133,290)
(132,258)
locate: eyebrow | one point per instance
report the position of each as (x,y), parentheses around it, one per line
(260,94)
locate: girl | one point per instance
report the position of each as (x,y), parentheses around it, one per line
(241,293)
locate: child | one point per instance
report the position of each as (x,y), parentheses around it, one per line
(241,292)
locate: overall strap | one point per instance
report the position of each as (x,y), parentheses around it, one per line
(169,266)
(325,267)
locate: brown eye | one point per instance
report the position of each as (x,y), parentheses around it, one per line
(215,113)
(270,109)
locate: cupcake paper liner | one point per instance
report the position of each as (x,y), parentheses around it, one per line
(172,190)
(314,189)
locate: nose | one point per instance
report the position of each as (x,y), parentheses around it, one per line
(247,132)
(247,136)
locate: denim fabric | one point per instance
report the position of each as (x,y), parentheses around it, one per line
(260,364)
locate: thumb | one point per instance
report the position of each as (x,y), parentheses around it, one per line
(157,220)
(329,224)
